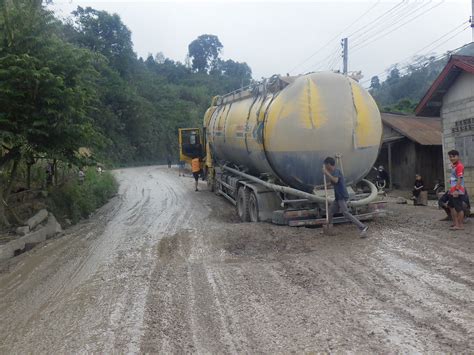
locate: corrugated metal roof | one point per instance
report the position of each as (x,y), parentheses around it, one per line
(430,104)
(423,130)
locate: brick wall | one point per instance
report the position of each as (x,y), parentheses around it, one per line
(457,105)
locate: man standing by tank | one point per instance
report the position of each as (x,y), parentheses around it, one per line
(340,195)
(196,169)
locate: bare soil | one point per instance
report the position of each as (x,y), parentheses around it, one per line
(162,268)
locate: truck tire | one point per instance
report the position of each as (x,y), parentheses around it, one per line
(243,204)
(211,182)
(253,207)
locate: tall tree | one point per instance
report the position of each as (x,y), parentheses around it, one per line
(204,52)
(375,83)
(46,87)
(102,32)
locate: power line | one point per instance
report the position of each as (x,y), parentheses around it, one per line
(378,18)
(396,11)
(446,34)
(336,36)
(436,40)
(396,28)
(440,44)
(316,65)
(396,19)
(333,62)
(438,57)
(429,45)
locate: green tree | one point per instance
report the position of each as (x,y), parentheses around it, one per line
(106,34)
(375,83)
(205,51)
(46,89)
(394,75)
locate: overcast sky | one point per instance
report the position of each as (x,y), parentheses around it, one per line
(296,37)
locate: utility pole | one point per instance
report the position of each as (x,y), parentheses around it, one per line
(345,53)
(472,19)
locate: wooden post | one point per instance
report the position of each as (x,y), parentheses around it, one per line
(390,164)
(55,172)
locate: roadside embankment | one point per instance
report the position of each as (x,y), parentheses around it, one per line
(67,203)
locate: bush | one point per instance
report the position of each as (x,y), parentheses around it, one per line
(75,201)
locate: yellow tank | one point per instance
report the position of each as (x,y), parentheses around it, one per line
(286,126)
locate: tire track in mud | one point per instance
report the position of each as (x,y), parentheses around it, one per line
(274,289)
(165,269)
(94,281)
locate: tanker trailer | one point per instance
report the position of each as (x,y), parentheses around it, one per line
(264,146)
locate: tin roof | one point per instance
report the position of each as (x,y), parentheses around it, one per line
(422,130)
(430,104)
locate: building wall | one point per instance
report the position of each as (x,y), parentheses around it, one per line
(429,163)
(410,158)
(458,104)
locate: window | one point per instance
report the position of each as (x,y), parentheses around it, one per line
(465,146)
(463,125)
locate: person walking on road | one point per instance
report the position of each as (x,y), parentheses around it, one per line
(341,196)
(196,170)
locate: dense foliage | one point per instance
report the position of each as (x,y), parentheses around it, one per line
(404,86)
(73,84)
(75,201)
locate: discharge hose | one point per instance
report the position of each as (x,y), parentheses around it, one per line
(311,197)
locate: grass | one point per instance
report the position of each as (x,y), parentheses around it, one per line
(75,201)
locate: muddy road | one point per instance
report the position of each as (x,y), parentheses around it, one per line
(164,269)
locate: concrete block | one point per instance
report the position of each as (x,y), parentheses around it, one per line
(49,230)
(7,251)
(53,225)
(23,230)
(35,237)
(37,219)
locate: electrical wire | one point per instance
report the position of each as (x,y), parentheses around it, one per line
(395,20)
(436,40)
(333,62)
(396,13)
(336,36)
(396,28)
(436,58)
(335,51)
(379,18)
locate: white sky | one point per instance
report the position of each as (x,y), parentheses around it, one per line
(275,37)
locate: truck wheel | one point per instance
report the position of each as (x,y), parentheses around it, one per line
(211,182)
(243,204)
(253,207)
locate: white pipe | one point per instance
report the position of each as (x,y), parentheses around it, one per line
(311,197)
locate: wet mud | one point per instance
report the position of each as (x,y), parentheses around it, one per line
(162,268)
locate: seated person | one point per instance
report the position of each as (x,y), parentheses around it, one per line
(418,187)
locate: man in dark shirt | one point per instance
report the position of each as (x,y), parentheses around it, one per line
(341,195)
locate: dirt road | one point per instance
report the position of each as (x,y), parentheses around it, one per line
(162,268)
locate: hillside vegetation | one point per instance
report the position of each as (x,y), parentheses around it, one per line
(66,86)
(405,85)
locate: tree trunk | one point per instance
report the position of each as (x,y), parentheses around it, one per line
(55,172)
(3,217)
(13,172)
(28,176)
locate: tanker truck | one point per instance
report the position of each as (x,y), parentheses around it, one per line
(263,146)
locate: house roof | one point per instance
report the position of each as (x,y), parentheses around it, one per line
(422,130)
(430,104)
